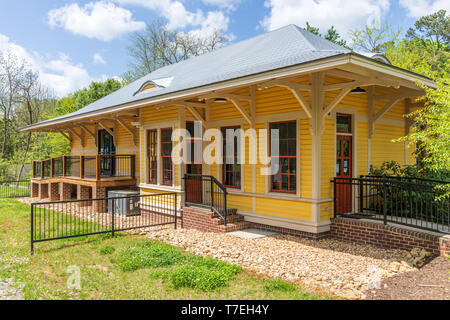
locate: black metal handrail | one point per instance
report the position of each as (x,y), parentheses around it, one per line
(419,205)
(86,166)
(407,179)
(206,191)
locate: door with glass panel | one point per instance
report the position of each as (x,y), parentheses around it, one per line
(344,170)
(194,189)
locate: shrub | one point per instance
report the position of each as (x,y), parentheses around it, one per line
(271,285)
(148,254)
(205,274)
(107,250)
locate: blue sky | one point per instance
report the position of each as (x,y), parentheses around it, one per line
(74,42)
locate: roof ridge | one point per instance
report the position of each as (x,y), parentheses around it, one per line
(220,49)
(299,31)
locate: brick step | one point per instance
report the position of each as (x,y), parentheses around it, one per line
(207,211)
(234,226)
(230,219)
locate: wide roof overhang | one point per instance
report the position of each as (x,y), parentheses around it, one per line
(351,62)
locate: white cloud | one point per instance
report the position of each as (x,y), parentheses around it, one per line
(180,18)
(226,4)
(100,20)
(59,74)
(98,59)
(420,8)
(342,14)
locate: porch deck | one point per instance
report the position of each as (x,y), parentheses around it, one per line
(87,170)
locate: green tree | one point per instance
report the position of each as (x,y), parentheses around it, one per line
(331,35)
(435,27)
(375,38)
(431,135)
(86,96)
(157,46)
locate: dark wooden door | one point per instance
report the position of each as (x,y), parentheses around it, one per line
(106,147)
(343,170)
(194,188)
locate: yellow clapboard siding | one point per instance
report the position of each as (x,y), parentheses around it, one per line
(362,148)
(151,114)
(284,208)
(327,158)
(382,147)
(243,203)
(260,179)
(326,211)
(305,160)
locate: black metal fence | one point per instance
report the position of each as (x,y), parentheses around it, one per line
(77,218)
(418,204)
(14,189)
(206,191)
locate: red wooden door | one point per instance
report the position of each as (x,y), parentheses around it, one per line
(194,184)
(343,170)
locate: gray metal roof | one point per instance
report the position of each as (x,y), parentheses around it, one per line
(280,48)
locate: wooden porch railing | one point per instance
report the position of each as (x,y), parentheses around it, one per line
(86,166)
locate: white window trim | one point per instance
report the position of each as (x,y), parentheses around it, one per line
(158,126)
(267,179)
(354,135)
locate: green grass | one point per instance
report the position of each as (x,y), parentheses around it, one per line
(10,192)
(123,267)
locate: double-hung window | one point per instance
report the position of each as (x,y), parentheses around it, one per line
(152,156)
(231,172)
(284,178)
(166,156)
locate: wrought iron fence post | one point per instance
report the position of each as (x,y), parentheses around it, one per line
(175,209)
(113,210)
(212,194)
(32,229)
(361,196)
(384,203)
(334,198)
(226,210)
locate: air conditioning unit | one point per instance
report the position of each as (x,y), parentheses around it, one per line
(128,206)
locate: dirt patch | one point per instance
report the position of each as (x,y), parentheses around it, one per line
(432,282)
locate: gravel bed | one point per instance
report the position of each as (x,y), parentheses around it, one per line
(339,268)
(8,291)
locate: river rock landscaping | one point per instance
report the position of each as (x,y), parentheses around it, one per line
(343,269)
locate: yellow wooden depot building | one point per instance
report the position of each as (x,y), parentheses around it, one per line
(338,113)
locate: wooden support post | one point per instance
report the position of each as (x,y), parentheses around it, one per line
(133,166)
(63,166)
(81,167)
(52,167)
(98,167)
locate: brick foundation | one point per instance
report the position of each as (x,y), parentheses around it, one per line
(206,221)
(43,190)
(390,237)
(291,232)
(100,206)
(65,192)
(34,190)
(83,194)
(54,191)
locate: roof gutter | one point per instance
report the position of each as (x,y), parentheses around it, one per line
(308,67)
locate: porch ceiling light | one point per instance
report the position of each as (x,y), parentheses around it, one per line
(220,100)
(358,90)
